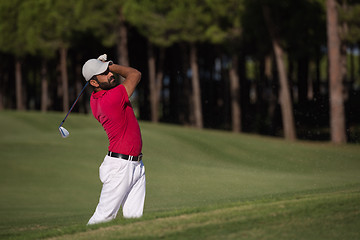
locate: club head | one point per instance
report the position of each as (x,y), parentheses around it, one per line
(64,133)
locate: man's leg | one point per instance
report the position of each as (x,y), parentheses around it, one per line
(133,204)
(114,177)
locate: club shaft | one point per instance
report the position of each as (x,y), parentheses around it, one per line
(74,104)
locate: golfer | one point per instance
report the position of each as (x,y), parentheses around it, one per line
(122,172)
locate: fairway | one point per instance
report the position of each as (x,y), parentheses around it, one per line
(201,184)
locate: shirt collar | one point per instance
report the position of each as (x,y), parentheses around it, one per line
(98,94)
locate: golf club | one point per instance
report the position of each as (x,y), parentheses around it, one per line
(63,132)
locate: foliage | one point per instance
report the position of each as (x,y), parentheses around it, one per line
(349,15)
(36,26)
(11,40)
(226,24)
(168,22)
(156,21)
(193,20)
(100,18)
(41,27)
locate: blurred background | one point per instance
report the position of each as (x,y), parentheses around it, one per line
(273,67)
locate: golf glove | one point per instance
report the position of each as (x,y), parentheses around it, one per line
(103,57)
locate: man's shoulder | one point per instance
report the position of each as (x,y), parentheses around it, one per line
(116,91)
(116,95)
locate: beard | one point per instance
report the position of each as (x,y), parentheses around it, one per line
(112,82)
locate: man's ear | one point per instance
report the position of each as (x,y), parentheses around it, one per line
(93,83)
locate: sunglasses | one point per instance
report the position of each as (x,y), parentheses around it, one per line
(106,72)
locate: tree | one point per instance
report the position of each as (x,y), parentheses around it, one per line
(155,79)
(164,24)
(303,45)
(350,38)
(60,27)
(225,28)
(235,94)
(52,30)
(193,21)
(285,98)
(337,114)
(155,24)
(107,21)
(11,41)
(39,43)
(114,10)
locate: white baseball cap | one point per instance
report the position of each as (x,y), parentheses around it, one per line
(93,67)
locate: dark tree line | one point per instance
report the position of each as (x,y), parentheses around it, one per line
(281,68)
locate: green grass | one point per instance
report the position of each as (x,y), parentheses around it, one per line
(201,184)
(324,216)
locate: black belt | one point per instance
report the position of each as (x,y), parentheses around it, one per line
(125,157)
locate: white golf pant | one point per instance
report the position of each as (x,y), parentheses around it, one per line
(123,186)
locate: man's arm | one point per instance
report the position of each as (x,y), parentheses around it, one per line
(131,75)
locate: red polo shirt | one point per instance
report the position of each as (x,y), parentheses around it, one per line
(113,110)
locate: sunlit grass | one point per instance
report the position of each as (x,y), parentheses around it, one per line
(49,186)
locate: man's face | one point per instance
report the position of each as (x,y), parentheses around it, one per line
(106,80)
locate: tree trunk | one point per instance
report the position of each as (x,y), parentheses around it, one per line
(352,66)
(152,83)
(155,79)
(2,90)
(186,113)
(64,78)
(337,113)
(235,95)
(196,87)
(303,79)
(317,80)
(272,98)
(44,87)
(310,81)
(19,86)
(160,75)
(122,45)
(285,98)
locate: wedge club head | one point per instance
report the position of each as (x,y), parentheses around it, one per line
(64,133)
